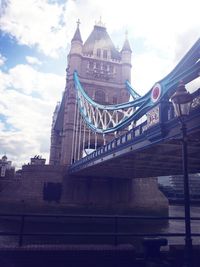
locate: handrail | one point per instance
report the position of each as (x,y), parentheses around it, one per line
(115,229)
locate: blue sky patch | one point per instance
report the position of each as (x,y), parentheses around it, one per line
(7,126)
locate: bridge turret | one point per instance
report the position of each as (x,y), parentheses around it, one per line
(74,57)
(126,54)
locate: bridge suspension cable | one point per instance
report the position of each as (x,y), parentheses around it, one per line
(74,133)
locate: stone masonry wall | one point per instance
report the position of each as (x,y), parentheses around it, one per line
(34,178)
(85,194)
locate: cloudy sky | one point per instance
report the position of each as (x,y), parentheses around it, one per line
(35,37)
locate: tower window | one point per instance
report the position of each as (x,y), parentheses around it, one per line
(104,67)
(98,66)
(100,96)
(114,100)
(105,53)
(98,52)
(90,65)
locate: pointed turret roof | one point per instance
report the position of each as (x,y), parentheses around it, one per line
(126,46)
(77,34)
(4,158)
(99,36)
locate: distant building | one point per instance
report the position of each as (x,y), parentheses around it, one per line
(18,174)
(38,160)
(167,190)
(164,180)
(177,185)
(6,168)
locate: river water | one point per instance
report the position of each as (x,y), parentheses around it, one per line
(61,226)
(179,226)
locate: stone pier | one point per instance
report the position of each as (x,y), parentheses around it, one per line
(49,188)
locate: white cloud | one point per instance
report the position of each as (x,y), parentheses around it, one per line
(29,116)
(35,23)
(33,60)
(27,80)
(148,69)
(2,126)
(2,60)
(50,26)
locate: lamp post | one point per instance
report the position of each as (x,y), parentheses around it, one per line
(182,100)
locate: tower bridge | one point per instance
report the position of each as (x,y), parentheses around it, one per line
(108,143)
(114,142)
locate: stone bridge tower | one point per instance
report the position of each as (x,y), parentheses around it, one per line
(102,70)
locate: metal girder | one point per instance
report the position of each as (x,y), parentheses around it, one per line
(139,158)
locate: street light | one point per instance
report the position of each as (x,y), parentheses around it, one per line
(182,100)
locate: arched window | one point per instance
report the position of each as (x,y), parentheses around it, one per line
(114,99)
(98,52)
(90,65)
(105,53)
(100,96)
(98,66)
(111,68)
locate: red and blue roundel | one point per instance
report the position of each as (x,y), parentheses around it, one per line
(156,92)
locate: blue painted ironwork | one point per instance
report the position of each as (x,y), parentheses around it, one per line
(131,91)
(187,70)
(157,132)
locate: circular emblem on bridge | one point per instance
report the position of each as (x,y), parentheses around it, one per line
(156,92)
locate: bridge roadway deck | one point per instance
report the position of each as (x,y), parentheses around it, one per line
(157,151)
